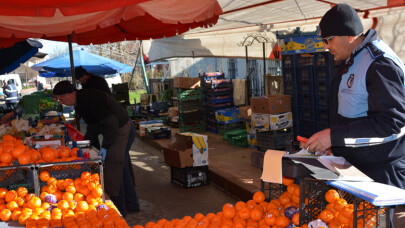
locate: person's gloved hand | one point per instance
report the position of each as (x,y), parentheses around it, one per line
(103,153)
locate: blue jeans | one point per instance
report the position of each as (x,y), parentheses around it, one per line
(127,199)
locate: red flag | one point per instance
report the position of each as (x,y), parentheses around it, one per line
(146,59)
(275,53)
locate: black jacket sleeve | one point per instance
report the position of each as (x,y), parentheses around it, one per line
(110,126)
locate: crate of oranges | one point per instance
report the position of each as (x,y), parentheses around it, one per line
(336,207)
(69,170)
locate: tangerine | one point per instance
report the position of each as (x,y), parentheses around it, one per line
(256,213)
(3,192)
(287,180)
(6,157)
(51,181)
(22,191)
(24,159)
(82,206)
(12,205)
(270,219)
(331,196)
(326,215)
(229,210)
(34,202)
(10,196)
(339,204)
(5,215)
(296,219)
(44,176)
(48,155)
(244,213)
(18,150)
(282,221)
(35,155)
(67,196)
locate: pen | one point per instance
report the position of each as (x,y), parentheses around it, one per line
(303,140)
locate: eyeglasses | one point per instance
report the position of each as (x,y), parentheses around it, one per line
(326,40)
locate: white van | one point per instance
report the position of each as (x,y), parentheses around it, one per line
(15,78)
(113,79)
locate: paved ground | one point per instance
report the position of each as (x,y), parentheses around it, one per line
(159,198)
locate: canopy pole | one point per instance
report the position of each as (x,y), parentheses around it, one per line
(72,63)
(145,79)
(264,68)
(133,70)
(72,70)
(248,86)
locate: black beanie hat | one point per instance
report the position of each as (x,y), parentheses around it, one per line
(341,20)
(80,72)
(63,87)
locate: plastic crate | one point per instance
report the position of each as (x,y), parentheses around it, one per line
(288,61)
(323,59)
(211,128)
(220,99)
(322,114)
(289,75)
(274,139)
(322,88)
(322,101)
(304,60)
(164,118)
(189,94)
(31,104)
(159,133)
(313,192)
(305,74)
(212,75)
(190,105)
(160,106)
(307,100)
(74,134)
(239,141)
(192,116)
(218,92)
(307,113)
(13,177)
(218,83)
(321,125)
(256,158)
(306,87)
(217,106)
(240,132)
(272,190)
(194,127)
(190,177)
(223,128)
(73,170)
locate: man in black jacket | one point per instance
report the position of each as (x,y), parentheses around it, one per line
(367,106)
(99,108)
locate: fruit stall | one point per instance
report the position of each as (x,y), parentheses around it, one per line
(45,179)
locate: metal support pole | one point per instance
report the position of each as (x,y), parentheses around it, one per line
(145,79)
(72,63)
(248,84)
(133,70)
(264,68)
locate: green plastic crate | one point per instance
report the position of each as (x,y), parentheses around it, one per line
(223,128)
(190,94)
(239,141)
(240,132)
(31,103)
(196,128)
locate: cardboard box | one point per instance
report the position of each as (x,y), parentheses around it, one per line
(272,104)
(229,115)
(281,121)
(151,123)
(252,140)
(245,112)
(173,112)
(187,149)
(261,122)
(249,128)
(187,83)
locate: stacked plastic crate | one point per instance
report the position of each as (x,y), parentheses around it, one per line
(191,115)
(307,79)
(216,95)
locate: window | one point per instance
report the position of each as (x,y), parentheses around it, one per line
(232,68)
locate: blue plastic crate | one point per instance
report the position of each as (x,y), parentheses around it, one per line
(322,101)
(323,59)
(304,60)
(220,99)
(307,128)
(322,114)
(306,88)
(307,100)
(307,113)
(322,88)
(290,88)
(218,83)
(323,74)
(305,74)
(321,125)
(218,92)
(217,106)
(289,74)
(212,128)
(288,61)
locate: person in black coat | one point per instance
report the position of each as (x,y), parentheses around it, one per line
(100,109)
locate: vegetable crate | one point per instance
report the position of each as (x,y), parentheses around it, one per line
(189,94)
(13,177)
(73,170)
(312,203)
(190,177)
(257,157)
(223,128)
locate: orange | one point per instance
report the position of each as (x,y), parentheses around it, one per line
(95,177)
(64,152)
(5,215)
(284,198)
(98,191)
(63,205)
(3,192)
(44,176)
(229,210)
(58,195)
(22,191)
(12,205)
(35,155)
(82,206)
(256,213)
(259,197)
(73,152)
(287,180)
(15,215)
(24,159)
(291,188)
(282,221)
(8,149)
(48,155)
(326,215)
(70,189)
(348,210)
(78,197)
(6,157)
(296,219)
(20,201)
(331,196)
(251,203)
(34,202)
(339,204)
(29,196)
(51,189)
(18,150)
(10,196)
(68,182)
(67,196)
(60,185)
(270,219)
(51,181)
(23,219)
(244,213)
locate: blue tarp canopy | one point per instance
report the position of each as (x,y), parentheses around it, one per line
(12,57)
(95,64)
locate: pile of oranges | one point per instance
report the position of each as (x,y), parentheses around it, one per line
(338,213)
(255,213)
(12,149)
(68,203)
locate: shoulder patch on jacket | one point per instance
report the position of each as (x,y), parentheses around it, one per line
(374,51)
